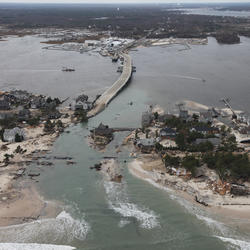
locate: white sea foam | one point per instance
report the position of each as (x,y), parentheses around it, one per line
(118,201)
(215,225)
(123,223)
(239,244)
(33,246)
(64,228)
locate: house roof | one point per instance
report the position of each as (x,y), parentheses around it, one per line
(146,142)
(214,141)
(204,129)
(168,131)
(9,134)
(103,130)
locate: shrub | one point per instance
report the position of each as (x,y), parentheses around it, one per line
(190,163)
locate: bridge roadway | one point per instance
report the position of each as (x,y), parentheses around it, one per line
(110,93)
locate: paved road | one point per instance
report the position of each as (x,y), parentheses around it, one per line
(110,93)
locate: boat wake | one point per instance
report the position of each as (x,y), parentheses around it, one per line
(118,201)
(60,230)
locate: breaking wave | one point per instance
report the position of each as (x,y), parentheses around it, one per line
(240,244)
(33,246)
(62,229)
(118,201)
(220,230)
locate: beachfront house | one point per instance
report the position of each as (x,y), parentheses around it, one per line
(24,114)
(167,133)
(82,98)
(37,102)
(164,117)
(4,104)
(205,130)
(102,134)
(206,116)
(6,114)
(183,114)
(19,95)
(146,145)
(80,105)
(146,119)
(215,141)
(11,135)
(54,114)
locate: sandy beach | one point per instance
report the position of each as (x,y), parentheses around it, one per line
(19,200)
(153,171)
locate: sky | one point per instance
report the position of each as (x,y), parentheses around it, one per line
(121,1)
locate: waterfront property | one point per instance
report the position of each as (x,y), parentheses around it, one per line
(102,135)
(14,135)
(146,119)
(168,133)
(146,145)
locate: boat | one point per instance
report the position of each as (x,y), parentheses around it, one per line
(64,69)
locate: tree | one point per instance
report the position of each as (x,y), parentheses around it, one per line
(49,100)
(136,134)
(158,147)
(156,115)
(18,138)
(59,124)
(49,126)
(228,165)
(190,163)
(7,157)
(195,117)
(171,161)
(157,133)
(81,115)
(180,141)
(202,147)
(34,121)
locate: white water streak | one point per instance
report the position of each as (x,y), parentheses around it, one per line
(33,246)
(239,244)
(119,202)
(63,228)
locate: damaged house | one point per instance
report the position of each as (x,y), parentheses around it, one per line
(102,134)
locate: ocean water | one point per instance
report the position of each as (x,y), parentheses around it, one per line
(132,215)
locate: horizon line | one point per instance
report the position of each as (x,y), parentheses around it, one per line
(134,2)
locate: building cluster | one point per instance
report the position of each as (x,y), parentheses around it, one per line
(19,107)
(82,103)
(155,129)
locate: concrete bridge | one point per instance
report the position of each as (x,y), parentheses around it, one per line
(110,93)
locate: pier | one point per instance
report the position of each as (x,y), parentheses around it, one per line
(110,93)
